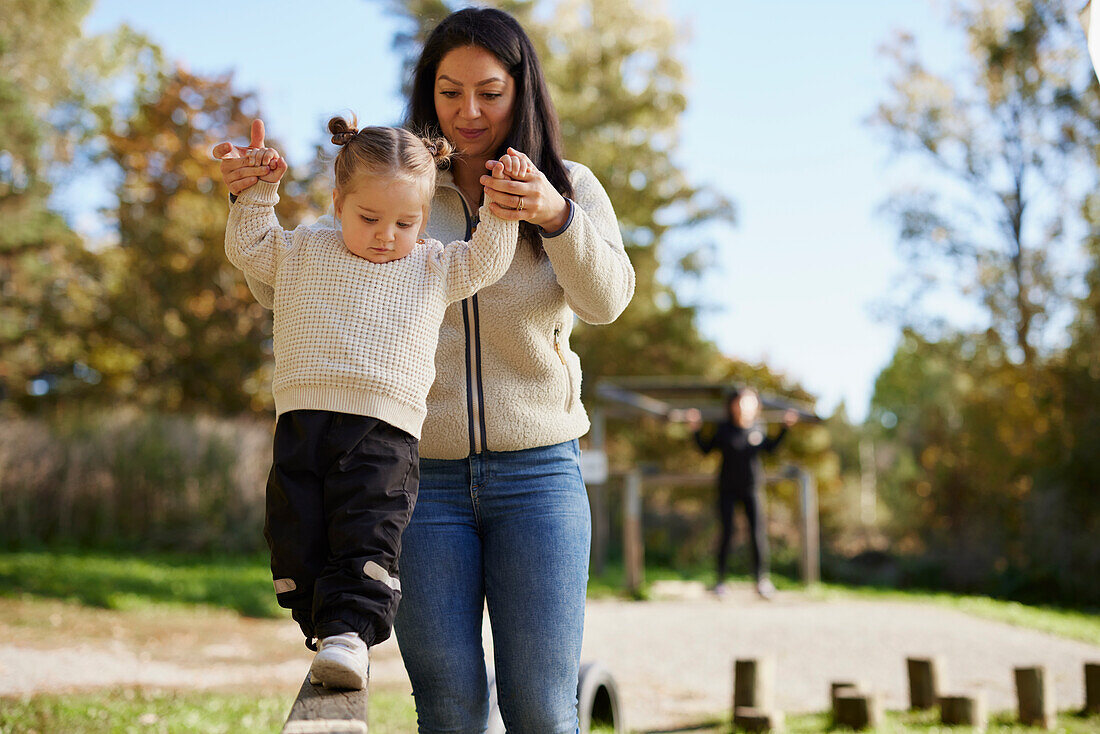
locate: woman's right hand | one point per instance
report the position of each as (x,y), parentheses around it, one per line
(242,167)
(693,418)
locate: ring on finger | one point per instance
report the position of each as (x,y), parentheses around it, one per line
(519,205)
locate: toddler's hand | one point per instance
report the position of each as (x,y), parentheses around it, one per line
(512,167)
(269,157)
(515,167)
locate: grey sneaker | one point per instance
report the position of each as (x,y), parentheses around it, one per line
(342,661)
(765,588)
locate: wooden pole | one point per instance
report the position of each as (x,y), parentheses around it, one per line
(964,711)
(754,684)
(633,549)
(320,710)
(924,682)
(858,710)
(597,498)
(1035,695)
(1092,688)
(845,687)
(810,564)
(755,720)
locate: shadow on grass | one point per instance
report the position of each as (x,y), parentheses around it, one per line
(128,582)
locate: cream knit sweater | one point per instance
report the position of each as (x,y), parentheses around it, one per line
(506,378)
(352,336)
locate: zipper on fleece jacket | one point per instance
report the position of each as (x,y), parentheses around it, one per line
(475,393)
(565,368)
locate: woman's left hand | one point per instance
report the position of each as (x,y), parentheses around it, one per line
(532,198)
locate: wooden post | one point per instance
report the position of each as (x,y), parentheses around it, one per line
(754,684)
(837,688)
(319,710)
(597,498)
(1035,694)
(810,562)
(858,710)
(633,550)
(924,682)
(1092,688)
(964,711)
(755,720)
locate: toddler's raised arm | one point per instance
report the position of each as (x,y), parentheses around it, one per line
(254,241)
(467,267)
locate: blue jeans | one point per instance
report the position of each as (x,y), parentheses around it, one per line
(512,529)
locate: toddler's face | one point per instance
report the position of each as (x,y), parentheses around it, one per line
(381,217)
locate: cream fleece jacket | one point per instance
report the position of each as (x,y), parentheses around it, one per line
(353,336)
(506,378)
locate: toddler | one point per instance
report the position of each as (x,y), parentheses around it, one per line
(357,312)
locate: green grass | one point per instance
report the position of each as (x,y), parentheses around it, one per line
(242,584)
(158,712)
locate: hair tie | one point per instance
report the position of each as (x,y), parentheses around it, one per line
(344,137)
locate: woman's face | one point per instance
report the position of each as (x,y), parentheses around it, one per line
(745,409)
(474,99)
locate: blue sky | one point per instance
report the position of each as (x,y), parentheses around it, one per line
(779,92)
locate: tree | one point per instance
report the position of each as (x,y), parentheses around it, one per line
(56,86)
(1004,140)
(193,335)
(996,436)
(37,248)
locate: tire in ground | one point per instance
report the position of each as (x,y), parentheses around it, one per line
(597,701)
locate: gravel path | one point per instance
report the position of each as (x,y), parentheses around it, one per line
(672,659)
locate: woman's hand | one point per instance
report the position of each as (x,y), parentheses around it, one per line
(530,197)
(693,418)
(242,167)
(790,418)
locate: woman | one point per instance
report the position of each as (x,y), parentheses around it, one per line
(741,479)
(502,515)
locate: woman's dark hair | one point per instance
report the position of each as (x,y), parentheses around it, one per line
(535,128)
(732,397)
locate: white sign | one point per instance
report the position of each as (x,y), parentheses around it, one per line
(594,467)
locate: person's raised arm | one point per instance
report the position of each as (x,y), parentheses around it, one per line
(694,420)
(581,237)
(241,167)
(467,267)
(254,241)
(790,417)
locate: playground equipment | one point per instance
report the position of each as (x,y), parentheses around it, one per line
(669,398)
(319,710)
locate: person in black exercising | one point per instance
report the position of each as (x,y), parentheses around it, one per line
(741,439)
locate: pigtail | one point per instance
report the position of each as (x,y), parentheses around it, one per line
(440,149)
(342,131)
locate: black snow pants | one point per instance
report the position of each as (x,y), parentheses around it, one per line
(341,491)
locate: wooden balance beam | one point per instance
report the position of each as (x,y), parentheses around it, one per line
(320,710)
